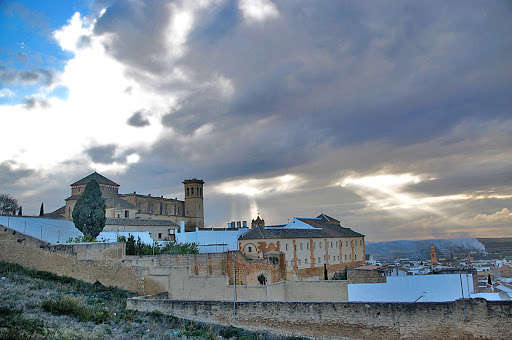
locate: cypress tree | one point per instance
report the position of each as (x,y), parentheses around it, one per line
(20,212)
(89,211)
(41,210)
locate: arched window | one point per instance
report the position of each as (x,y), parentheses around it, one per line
(188,193)
(192,191)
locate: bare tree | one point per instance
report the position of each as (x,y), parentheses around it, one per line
(8,205)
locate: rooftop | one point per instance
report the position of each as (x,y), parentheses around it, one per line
(96,176)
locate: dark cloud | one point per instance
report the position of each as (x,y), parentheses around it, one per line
(138,120)
(26,77)
(11,172)
(32,102)
(104,154)
(108,154)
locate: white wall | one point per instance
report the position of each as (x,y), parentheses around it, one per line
(210,241)
(431,288)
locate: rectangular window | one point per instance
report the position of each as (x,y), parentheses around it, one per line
(159,235)
(306,261)
(331,244)
(286,246)
(346,243)
(355,257)
(250,249)
(165,209)
(320,245)
(307,245)
(299,262)
(345,257)
(126,214)
(319,260)
(301,246)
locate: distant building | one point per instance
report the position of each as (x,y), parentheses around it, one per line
(309,244)
(433,255)
(137,206)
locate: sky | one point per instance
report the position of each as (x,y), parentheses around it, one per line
(394,117)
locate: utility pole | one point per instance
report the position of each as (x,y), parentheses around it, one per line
(234,287)
(463,301)
(117,250)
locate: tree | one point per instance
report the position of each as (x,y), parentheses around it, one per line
(489,279)
(20,212)
(8,205)
(41,210)
(89,211)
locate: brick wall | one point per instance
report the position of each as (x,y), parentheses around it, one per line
(445,320)
(272,266)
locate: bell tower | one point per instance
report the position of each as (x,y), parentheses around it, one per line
(433,255)
(194,210)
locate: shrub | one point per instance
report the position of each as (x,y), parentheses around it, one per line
(68,305)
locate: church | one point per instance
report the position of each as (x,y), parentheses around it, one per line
(143,207)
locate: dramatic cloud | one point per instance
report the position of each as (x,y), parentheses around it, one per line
(393,117)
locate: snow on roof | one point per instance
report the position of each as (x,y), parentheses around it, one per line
(46,229)
(420,288)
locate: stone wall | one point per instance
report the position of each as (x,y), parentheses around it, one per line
(357,275)
(89,262)
(485,319)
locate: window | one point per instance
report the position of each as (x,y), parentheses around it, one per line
(324,257)
(79,189)
(345,257)
(201,192)
(286,246)
(188,191)
(126,214)
(350,257)
(250,249)
(139,206)
(360,242)
(319,260)
(165,209)
(331,244)
(152,208)
(301,246)
(299,262)
(355,257)
(307,245)
(159,235)
(306,261)
(192,191)
(118,216)
(346,243)
(320,245)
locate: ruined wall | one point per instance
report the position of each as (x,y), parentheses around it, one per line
(272,266)
(89,262)
(485,319)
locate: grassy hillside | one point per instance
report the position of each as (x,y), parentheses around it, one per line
(41,305)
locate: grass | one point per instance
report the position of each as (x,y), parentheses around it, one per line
(41,305)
